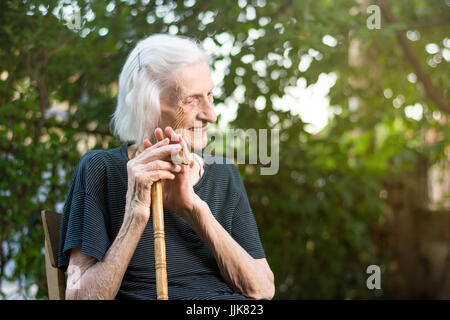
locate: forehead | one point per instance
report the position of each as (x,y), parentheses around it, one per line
(194,79)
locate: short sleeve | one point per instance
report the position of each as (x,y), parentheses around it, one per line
(244,228)
(85,222)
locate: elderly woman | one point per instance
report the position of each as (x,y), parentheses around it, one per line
(213,250)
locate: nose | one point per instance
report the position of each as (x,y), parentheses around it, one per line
(207,112)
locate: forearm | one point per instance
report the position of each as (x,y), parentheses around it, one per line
(239,269)
(102,279)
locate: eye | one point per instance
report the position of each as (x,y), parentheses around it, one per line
(191,100)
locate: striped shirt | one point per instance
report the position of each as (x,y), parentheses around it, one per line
(93,214)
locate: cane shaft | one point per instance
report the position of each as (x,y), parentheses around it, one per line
(160,242)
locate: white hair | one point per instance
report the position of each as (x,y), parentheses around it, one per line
(145,75)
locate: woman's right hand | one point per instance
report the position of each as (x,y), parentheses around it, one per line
(145,168)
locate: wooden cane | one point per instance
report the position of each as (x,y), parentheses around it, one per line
(160,241)
(159,235)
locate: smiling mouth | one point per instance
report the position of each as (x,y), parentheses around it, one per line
(197,129)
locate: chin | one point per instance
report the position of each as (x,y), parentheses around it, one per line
(196,141)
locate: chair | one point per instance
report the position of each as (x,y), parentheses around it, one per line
(56,281)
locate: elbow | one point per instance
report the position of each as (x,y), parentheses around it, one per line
(83,295)
(73,291)
(71,294)
(271,286)
(88,287)
(75,294)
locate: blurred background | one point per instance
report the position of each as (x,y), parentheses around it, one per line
(358,89)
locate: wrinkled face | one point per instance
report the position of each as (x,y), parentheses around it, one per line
(188,108)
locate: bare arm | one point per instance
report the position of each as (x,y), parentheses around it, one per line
(92,279)
(88,279)
(252,277)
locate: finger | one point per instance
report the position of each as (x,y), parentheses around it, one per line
(177,138)
(160,153)
(159,134)
(178,158)
(162,175)
(160,143)
(172,135)
(162,165)
(148,178)
(146,143)
(142,151)
(186,152)
(140,148)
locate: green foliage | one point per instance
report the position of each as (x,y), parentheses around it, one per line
(318,214)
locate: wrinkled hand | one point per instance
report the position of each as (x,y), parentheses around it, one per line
(178,194)
(148,165)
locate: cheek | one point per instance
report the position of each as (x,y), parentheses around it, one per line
(168,114)
(180,119)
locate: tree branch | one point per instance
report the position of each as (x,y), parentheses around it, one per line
(434,94)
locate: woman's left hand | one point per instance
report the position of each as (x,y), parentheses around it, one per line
(178,194)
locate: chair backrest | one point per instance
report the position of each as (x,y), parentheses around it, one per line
(56,281)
